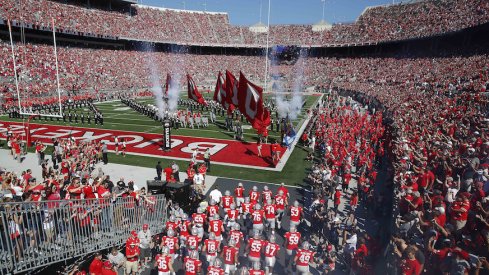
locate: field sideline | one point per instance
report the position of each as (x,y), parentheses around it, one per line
(118,117)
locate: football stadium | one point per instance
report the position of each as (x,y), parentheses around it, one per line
(244,137)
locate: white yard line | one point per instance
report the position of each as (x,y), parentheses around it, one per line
(285,157)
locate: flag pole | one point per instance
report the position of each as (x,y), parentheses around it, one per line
(57,71)
(15,65)
(266,50)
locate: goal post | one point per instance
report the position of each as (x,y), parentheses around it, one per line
(23,96)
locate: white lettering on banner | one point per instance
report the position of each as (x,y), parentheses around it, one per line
(37,130)
(17,129)
(59,133)
(174,143)
(250,92)
(202,146)
(3,129)
(148,143)
(89,135)
(135,139)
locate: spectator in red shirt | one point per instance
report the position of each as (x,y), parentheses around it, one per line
(168,173)
(107,269)
(74,189)
(96,265)
(409,264)
(337,197)
(132,255)
(460,211)
(417,202)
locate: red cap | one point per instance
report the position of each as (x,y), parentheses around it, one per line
(107,264)
(145,226)
(134,233)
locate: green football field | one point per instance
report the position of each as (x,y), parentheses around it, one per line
(117,116)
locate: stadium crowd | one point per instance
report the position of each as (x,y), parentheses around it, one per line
(376,24)
(437,110)
(95,71)
(440,161)
(99,71)
(439,145)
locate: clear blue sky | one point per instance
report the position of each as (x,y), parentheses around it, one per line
(247,12)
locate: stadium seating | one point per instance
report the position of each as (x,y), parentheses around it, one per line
(436,143)
(376,24)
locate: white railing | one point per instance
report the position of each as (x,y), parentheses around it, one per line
(37,234)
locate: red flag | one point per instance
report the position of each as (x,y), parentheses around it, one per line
(220,92)
(168,82)
(231,91)
(250,98)
(262,124)
(193,93)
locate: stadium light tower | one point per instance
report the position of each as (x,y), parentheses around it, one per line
(266,50)
(324,4)
(261,4)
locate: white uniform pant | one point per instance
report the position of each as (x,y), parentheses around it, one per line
(253,259)
(210,258)
(294,224)
(239,201)
(270,262)
(258,226)
(271,223)
(229,268)
(301,269)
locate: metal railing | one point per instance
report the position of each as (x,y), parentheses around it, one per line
(37,234)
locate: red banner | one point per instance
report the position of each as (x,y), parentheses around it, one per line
(225,152)
(193,92)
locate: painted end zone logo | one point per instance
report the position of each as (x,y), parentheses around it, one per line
(226,152)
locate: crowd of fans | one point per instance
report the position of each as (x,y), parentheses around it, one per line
(45,223)
(95,70)
(437,141)
(440,160)
(376,24)
(350,144)
(439,146)
(416,19)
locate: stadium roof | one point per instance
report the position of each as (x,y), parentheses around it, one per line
(180,10)
(321,26)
